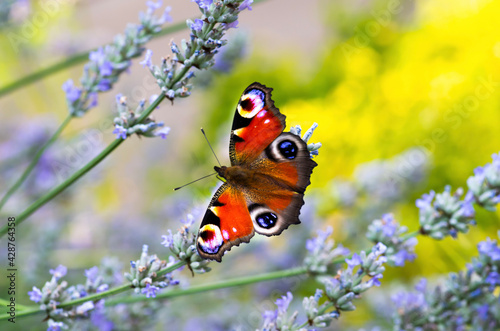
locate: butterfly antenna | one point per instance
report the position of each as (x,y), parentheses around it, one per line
(208,142)
(177,188)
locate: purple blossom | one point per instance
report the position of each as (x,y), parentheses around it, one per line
(493,278)
(55,326)
(374,281)
(120,131)
(284,302)
(402,256)
(319,241)
(232,25)
(147,59)
(379,249)
(318,294)
(104,85)
(85,307)
(421,285)
(246,5)
(166,15)
(150,291)
(389,225)
(102,288)
(93,99)
(59,272)
(482,311)
(189,221)
(35,295)
(152,6)
(163,132)
(97,56)
(72,93)
(203,4)
(426,200)
(197,25)
(354,261)
(92,273)
(490,249)
(269,316)
(106,68)
(168,240)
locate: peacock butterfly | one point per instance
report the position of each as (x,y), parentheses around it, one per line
(265,184)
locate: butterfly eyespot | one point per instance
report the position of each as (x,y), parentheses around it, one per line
(251,103)
(288,149)
(267,220)
(246,104)
(210,239)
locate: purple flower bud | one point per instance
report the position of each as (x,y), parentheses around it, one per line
(92,273)
(72,93)
(246,5)
(35,295)
(197,25)
(59,272)
(150,291)
(147,59)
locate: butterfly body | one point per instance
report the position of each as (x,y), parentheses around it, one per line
(264,186)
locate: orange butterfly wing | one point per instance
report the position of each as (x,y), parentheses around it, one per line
(265,185)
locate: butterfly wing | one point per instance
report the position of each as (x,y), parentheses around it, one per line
(226,223)
(257,122)
(265,185)
(282,172)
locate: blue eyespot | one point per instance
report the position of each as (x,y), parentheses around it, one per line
(288,149)
(267,220)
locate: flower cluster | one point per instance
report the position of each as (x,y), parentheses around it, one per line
(109,62)
(56,291)
(340,291)
(444,214)
(313,147)
(173,74)
(399,247)
(144,274)
(485,184)
(127,123)
(467,299)
(183,245)
(321,252)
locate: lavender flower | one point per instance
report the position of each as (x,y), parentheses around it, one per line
(35,295)
(127,123)
(57,291)
(484,186)
(107,63)
(183,245)
(313,147)
(59,272)
(144,274)
(206,40)
(150,291)
(445,214)
(400,248)
(467,299)
(321,252)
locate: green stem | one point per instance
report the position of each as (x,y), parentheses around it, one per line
(93,297)
(34,162)
(77,175)
(215,286)
(68,63)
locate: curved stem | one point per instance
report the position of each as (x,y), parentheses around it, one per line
(68,63)
(94,297)
(217,285)
(77,175)
(34,162)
